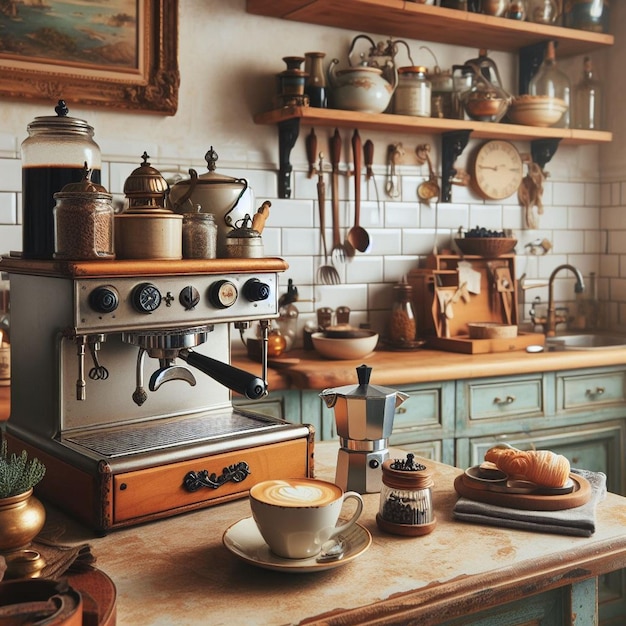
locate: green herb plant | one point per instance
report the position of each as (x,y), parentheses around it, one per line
(17,473)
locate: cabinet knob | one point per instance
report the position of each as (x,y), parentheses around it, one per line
(507,400)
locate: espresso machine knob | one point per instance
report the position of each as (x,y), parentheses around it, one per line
(223,294)
(104,299)
(254,290)
(189,297)
(146,298)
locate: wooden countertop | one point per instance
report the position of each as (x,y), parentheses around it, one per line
(177,571)
(422,366)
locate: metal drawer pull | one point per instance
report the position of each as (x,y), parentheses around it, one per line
(507,400)
(598,391)
(235,473)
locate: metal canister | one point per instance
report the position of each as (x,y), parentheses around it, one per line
(413,93)
(199,236)
(244,242)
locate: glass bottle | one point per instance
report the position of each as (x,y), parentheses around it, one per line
(551,81)
(402,323)
(406,506)
(588,99)
(53,155)
(315,85)
(517,10)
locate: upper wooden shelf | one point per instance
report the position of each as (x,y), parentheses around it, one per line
(312,116)
(430,23)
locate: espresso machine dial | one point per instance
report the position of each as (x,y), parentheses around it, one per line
(146,298)
(255,291)
(189,297)
(104,299)
(223,294)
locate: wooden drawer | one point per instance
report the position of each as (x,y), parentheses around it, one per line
(500,399)
(576,391)
(141,494)
(423,409)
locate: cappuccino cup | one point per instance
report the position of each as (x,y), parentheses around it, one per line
(297,516)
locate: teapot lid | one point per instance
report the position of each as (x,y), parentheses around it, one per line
(146,189)
(243,229)
(212,177)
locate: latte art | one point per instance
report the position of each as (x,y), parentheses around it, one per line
(296,493)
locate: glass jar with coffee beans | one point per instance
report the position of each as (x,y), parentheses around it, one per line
(402,322)
(406,505)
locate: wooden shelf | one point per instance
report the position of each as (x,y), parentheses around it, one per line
(430,23)
(311,116)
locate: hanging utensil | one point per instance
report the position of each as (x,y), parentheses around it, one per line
(327,274)
(357,235)
(311,151)
(368,155)
(395,152)
(428,189)
(338,252)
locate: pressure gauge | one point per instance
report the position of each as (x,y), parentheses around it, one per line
(146,298)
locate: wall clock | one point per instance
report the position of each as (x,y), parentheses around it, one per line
(497,170)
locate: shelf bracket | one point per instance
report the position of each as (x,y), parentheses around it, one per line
(542,150)
(288,131)
(452,145)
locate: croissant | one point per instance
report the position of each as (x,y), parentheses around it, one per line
(541,467)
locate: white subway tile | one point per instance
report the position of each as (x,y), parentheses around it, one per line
(10,175)
(365,268)
(402,215)
(8,208)
(398,266)
(10,239)
(385,241)
(300,241)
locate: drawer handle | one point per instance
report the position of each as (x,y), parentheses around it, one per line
(235,473)
(597,392)
(507,400)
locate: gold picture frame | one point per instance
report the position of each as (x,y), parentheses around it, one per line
(47,64)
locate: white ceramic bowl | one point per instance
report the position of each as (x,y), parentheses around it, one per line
(345,348)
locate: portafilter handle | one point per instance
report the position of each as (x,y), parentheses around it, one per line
(236,379)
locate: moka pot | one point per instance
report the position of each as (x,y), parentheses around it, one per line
(364,418)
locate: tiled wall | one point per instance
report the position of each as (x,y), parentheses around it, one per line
(218,98)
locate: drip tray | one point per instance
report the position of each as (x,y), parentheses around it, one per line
(165,433)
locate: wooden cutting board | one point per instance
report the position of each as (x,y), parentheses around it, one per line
(528,502)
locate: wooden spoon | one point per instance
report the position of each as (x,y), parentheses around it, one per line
(357,235)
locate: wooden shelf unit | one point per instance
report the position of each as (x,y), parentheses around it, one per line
(430,23)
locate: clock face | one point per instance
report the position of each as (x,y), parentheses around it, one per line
(498,170)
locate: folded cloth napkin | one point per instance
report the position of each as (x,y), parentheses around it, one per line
(579,521)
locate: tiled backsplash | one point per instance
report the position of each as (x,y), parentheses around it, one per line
(402,232)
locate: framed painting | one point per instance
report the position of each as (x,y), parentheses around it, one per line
(116,54)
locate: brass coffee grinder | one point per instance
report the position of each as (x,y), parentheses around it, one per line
(364,417)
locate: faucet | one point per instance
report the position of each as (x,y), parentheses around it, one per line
(552,319)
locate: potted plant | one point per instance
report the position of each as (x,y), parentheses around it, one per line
(22,515)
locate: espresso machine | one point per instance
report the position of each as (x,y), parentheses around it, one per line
(122,385)
(364,417)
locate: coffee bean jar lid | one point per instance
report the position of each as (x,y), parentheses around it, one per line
(84,186)
(146,189)
(407,473)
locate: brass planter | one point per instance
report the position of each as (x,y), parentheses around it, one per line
(21,518)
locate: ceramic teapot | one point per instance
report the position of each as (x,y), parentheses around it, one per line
(228,199)
(362,88)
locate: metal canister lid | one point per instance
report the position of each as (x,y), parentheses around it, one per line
(61,122)
(145,188)
(84,186)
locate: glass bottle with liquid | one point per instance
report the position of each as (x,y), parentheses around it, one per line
(587,107)
(315,85)
(551,81)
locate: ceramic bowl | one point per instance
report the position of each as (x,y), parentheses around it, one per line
(540,111)
(345,347)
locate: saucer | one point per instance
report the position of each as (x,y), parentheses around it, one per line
(244,540)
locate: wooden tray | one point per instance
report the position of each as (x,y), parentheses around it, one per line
(528,502)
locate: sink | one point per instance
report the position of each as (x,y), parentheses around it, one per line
(586,341)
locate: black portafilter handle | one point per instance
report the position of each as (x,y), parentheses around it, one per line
(236,379)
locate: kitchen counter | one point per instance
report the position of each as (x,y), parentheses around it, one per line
(177,571)
(417,366)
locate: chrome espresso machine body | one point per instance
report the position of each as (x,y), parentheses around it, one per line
(110,387)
